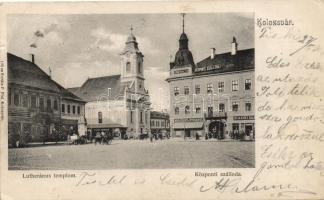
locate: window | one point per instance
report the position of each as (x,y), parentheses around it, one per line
(146,118)
(210,110)
(157,123)
(187,110)
(33,101)
(16,99)
(221,87)
(198,110)
(55,104)
(141,117)
(197,89)
(25,100)
(162,123)
(209,88)
(73,109)
(131,116)
(221,107)
(139,67)
(68,108)
(99,116)
(176,110)
(63,108)
(79,110)
(176,91)
(234,86)
(128,67)
(247,84)
(9,97)
(186,90)
(49,104)
(235,106)
(248,106)
(41,103)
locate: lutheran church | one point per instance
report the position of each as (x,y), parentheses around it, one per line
(118,103)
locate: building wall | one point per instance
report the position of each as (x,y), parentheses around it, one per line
(205,100)
(28,120)
(73,114)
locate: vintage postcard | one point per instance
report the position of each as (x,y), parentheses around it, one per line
(162,100)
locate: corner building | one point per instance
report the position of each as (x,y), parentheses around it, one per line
(215,97)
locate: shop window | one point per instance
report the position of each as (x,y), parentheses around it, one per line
(234,85)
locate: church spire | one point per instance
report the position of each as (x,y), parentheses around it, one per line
(183,21)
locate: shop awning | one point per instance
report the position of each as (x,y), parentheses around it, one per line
(105,126)
(188,125)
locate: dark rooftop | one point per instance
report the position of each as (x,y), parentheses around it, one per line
(97,88)
(26,73)
(242,60)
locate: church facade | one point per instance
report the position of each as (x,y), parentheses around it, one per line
(214,97)
(118,103)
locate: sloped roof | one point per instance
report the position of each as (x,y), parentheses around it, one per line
(97,88)
(242,60)
(26,73)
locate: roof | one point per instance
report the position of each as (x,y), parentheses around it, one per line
(158,115)
(242,60)
(97,88)
(26,73)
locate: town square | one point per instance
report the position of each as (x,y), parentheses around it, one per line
(151,92)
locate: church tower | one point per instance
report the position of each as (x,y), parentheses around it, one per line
(132,64)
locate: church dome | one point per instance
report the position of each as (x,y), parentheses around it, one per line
(183,57)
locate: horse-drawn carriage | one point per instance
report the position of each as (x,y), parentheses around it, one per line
(76,139)
(103,138)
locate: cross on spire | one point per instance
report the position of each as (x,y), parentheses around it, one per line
(131,28)
(183,22)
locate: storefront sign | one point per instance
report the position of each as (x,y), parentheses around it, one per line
(248,117)
(189,120)
(181,71)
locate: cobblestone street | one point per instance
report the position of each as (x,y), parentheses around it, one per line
(134,154)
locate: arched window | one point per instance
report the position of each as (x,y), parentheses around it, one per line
(99,117)
(128,67)
(139,67)
(176,110)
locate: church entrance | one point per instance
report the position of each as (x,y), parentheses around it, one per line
(216,129)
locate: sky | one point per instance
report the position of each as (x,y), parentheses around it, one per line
(76,47)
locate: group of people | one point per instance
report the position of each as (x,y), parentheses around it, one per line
(103,137)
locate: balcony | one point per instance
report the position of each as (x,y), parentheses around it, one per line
(215,115)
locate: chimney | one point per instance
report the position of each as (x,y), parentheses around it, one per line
(234,46)
(32,58)
(212,53)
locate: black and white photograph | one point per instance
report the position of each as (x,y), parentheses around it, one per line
(131,91)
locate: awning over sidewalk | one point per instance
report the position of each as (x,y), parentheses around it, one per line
(105,126)
(188,125)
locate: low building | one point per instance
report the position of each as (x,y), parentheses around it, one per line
(215,97)
(160,123)
(34,102)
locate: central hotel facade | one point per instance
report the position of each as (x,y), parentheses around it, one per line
(214,97)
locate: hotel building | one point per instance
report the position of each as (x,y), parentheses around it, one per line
(214,96)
